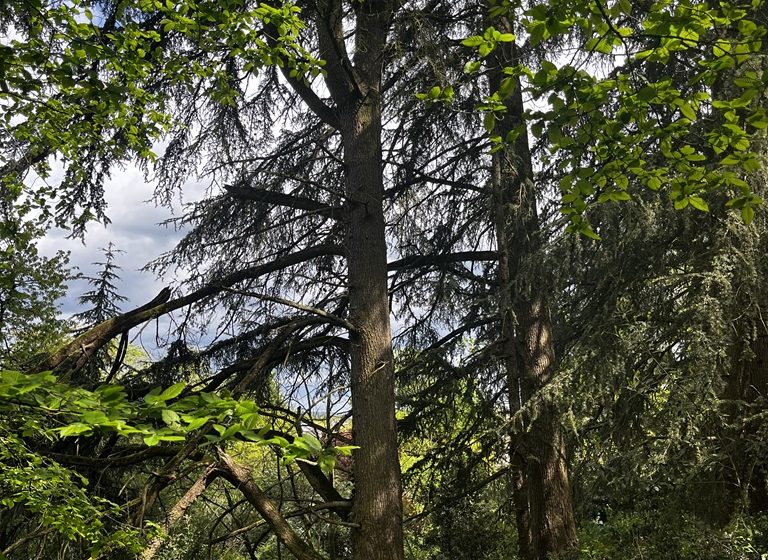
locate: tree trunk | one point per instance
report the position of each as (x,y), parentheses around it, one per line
(355,88)
(546,523)
(377,503)
(740,481)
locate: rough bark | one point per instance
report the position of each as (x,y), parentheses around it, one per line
(377,500)
(355,86)
(545,521)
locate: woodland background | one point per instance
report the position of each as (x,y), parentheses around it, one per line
(454,280)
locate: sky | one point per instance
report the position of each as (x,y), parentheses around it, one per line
(134,229)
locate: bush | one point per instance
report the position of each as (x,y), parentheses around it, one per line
(672,536)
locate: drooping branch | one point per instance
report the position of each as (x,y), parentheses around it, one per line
(308,95)
(341,78)
(324,112)
(241,479)
(325,488)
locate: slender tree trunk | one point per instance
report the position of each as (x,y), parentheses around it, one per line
(377,502)
(355,86)
(178,510)
(546,522)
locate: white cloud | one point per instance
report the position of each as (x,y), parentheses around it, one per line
(134,229)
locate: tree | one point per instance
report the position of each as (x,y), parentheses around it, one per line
(104,300)
(585,164)
(30,286)
(301,208)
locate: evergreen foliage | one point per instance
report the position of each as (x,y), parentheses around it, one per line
(557,321)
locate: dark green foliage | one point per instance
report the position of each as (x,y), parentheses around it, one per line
(30,285)
(671,535)
(104,298)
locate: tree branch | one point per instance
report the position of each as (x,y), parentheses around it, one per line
(76,354)
(241,479)
(113,461)
(412,261)
(329,317)
(281,199)
(181,507)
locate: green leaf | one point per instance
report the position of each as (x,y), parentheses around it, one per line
(599,44)
(313,443)
(152,439)
(170,417)
(326,462)
(747,214)
(172,437)
(75,429)
(587,231)
(698,203)
(198,423)
(231,431)
(94,417)
(345,450)
(687,111)
(172,391)
(472,66)
(759,121)
(474,41)
(489,122)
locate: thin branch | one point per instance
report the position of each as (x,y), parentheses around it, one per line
(338,321)
(412,261)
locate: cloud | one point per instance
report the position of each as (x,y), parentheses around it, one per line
(134,229)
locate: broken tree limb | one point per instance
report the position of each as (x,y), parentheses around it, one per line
(76,354)
(178,510)
(241,479)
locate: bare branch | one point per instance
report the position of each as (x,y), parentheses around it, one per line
(282,199)
(241,479)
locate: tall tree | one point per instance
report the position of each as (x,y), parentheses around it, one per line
(356,92)
(542,489)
